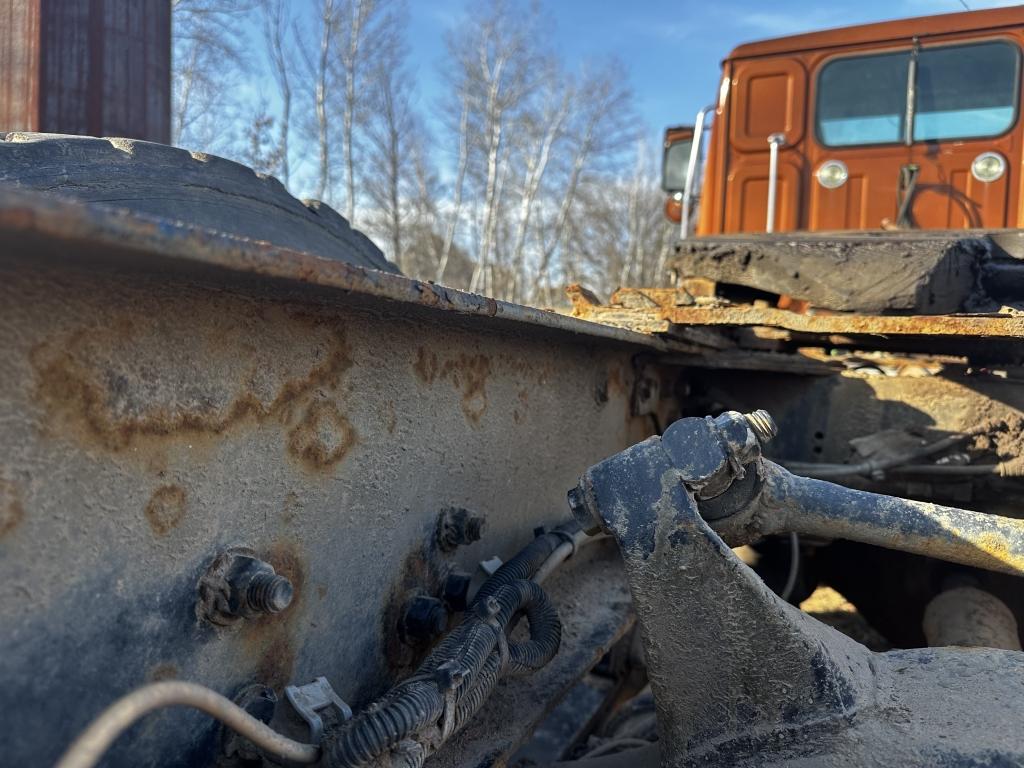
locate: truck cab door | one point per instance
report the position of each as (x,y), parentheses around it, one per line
(768,96)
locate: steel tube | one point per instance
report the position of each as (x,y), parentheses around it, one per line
(775,141)
(691,170)
(818,508)
(88,748)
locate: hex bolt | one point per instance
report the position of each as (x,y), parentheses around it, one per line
(763,425)
(269,592)
(238,585)
(457,527)
(423,619)
(455,591)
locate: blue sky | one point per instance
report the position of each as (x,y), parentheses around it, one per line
(672,49)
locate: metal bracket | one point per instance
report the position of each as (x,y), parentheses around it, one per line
(311,699)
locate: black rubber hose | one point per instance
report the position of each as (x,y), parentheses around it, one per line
(415,704)
(526,562)
(474,698)
(408,708)
(545,626)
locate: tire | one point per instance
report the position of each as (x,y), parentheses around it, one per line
(193,188)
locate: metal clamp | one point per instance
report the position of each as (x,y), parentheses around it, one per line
(311,699)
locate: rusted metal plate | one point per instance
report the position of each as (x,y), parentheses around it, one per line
(166,394)
(672,313)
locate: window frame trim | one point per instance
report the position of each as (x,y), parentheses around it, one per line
(1004,39)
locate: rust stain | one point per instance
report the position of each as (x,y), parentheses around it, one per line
(166,509)
(114,388)
(390,418)
(271,639)
(276,660)
(467,373)
(11,510)
(163,671)
(426,366)
(996,546)
(287,561)
(323,437)
(321,591)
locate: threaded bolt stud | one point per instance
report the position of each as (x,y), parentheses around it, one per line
(269,593)
(763,425)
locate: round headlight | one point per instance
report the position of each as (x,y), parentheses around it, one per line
(832,174)
(988,166)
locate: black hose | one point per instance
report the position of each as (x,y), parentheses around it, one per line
(408,708)
(467,665)
(545,626)
(526,562)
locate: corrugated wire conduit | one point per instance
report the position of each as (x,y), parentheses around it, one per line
(418,714)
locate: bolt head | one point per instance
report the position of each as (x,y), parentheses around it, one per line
(456,590)
(425,618)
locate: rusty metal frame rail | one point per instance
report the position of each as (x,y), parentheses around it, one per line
(25,215)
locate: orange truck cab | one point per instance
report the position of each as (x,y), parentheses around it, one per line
(903,124)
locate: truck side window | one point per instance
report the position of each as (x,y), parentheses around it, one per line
(862,100)
(966,91)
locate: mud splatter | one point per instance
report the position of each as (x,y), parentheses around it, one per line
(166,509)
(469,373)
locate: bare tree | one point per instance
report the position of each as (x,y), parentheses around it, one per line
(603,126)
(542,129)
(460,179)
(279,50)
(320,70)
(391,129)
(493,68)
(208,45)
(261,152)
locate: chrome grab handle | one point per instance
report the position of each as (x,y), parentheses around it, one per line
(691,170)
(775,141)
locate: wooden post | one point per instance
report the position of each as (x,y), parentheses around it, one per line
(92,67)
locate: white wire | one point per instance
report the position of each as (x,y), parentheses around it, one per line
(90,746)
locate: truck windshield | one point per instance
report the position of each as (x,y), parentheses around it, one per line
(962,91)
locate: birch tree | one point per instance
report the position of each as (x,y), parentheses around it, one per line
(280,52)
(492,60)
(207,56)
